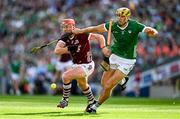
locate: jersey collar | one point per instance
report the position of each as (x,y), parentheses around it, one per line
(71,37)
(122,28)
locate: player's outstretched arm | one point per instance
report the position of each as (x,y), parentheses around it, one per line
(151,32)
(91,29)
(101,40)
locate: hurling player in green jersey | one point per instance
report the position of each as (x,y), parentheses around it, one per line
(122,52)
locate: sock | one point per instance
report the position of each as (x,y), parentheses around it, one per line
(66,91)
(96,106)
(122,81)
(89,95)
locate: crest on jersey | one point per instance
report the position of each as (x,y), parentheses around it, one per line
(129,31)
(76,42)
(115,32)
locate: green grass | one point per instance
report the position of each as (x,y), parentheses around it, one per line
(44,107)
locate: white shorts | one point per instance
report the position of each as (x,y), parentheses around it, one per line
(122,64)
(15,76)
(62,66)
(88,68)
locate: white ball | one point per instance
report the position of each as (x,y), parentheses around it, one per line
(53,86)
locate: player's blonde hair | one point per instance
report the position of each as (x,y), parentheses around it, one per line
(123,11)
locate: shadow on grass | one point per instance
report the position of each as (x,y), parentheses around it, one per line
(35,113)
(53,114)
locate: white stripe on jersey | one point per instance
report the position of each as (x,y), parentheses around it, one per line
(105,27)
(60,41)
(89,36)
(144,29)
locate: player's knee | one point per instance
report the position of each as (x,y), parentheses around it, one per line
(82,84)
(65,77)
(79,83)
(107,86)
(103,83)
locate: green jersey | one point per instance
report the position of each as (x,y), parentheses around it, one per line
(125,39)
(15,66)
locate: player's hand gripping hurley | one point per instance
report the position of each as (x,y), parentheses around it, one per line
(36,49)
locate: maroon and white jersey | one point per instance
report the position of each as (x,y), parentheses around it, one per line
(83,54)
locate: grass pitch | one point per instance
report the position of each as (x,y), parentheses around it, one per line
(44,107)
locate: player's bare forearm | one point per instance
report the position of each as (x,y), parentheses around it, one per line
(92,29)
(99,38)
(101,41)
(60,50)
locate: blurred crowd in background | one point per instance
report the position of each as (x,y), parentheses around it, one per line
(28,23)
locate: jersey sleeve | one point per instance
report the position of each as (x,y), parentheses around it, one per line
(62,42)
(63,39)
(106,26)
(140,27)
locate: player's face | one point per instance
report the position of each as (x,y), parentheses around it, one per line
(68,28)
(122,20)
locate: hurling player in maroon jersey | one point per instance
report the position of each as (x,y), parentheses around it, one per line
(83,66)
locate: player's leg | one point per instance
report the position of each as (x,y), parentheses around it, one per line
(122,67)
(86,89)
(108,85)
(106,75)
(70,74)
(16,86)
(66,92)
(87,69)
(15,83)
